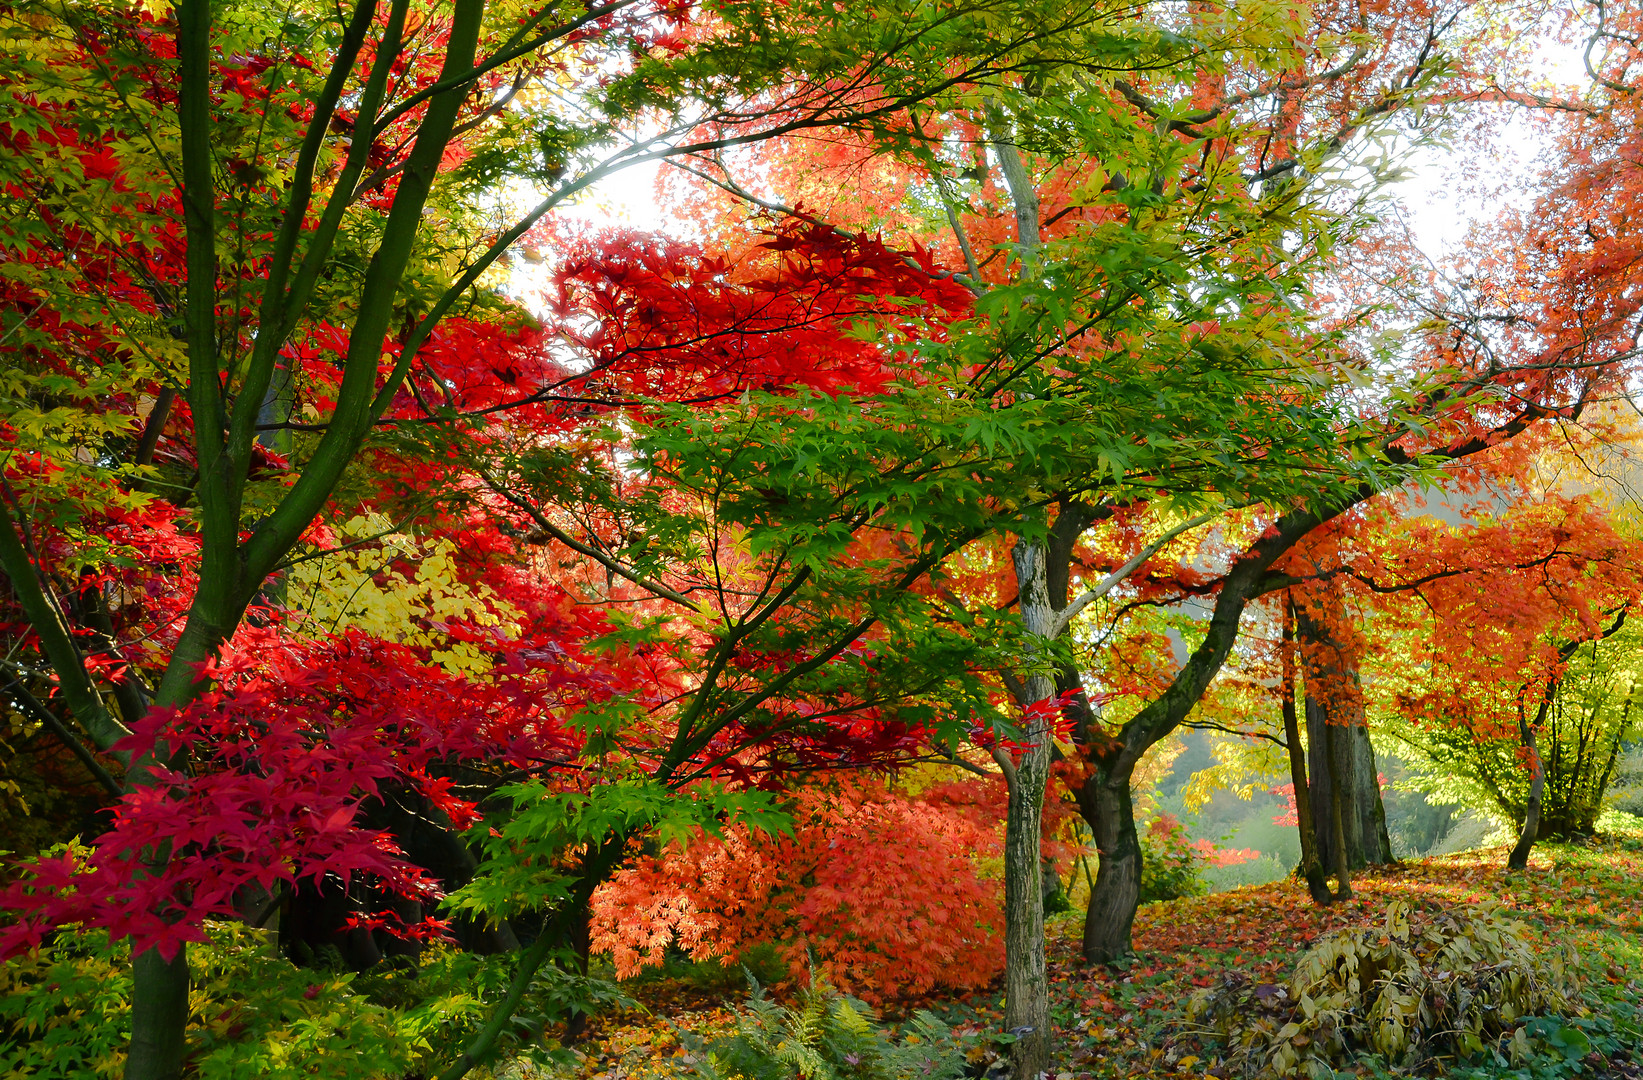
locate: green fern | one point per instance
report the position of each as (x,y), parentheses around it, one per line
(828,1036)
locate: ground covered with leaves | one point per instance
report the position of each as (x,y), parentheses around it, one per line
(1132,1020)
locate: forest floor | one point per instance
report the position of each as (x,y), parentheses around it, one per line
(1118,1021)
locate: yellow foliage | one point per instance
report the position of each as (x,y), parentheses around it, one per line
(1154,765)
(394,586)
(1450,984)
(1242,766)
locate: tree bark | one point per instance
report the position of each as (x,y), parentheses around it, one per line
(1343,864)
(1519,857)
(1104,802)
(1311,868)
(1338,735)
(579,939)
(1026,974)
(159,1015)
(597,865)
(1344,751)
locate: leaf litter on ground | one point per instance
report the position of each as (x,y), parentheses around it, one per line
(1125,1019)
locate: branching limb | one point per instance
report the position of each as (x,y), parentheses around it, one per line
(725,183)
(615,566)
(1210,725)
(1005,765)
(60,651)
(42,715)
(1107,584)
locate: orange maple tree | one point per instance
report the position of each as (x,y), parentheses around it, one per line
(877,888)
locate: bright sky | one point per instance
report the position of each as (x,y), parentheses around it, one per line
(1437,199)
(627,198)
(1440,199)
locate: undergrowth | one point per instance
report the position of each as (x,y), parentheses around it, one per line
(1130,1020)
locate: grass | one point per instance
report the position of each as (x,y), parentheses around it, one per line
(1126,1020)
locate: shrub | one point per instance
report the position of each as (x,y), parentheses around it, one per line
(828,1037)
(1418,988)
(65,1010)
(1171,865)
(881,887)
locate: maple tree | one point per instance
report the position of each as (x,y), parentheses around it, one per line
(1579,740)
(1462,607)
(1109,813)
(1504,606)
(255,190)
(1543,366)
(1118,323)
(1069,189)
(878,890)
(706,519)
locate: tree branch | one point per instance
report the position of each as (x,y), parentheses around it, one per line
(1107,584)
(610,563)
(31,705)
(59,648)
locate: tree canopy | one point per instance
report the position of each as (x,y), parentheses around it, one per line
(1019,383)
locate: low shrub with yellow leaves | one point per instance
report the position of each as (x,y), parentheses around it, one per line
(1418,988)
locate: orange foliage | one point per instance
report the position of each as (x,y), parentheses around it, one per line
(1483,604)
(880,888)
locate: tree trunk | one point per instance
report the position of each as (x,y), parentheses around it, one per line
(1344,751)
(1105,804)
(231,571)
(1337,734)
(571,923)
(1519,858)
(1026,974)
(159,1016)
(1311,868)
(578,938)
(1104,798)
(1343,864)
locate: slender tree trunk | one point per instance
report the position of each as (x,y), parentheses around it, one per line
(1026,974)
(159,998)
(231,572)
(1311,869)
(579,937)
(1105,803)
(1519,858)
(596,867)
